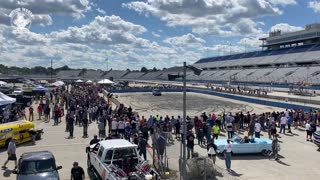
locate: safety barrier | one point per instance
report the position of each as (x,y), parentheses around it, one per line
(224,95)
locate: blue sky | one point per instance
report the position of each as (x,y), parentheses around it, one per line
(150,33)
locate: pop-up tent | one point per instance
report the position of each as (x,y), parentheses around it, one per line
(2,83)
(105,81)
(4,99)
(79,81)
(89,82)
(58,83)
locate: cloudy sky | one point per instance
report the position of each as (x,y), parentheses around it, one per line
(151,33)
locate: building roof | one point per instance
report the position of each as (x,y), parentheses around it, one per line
(116,143)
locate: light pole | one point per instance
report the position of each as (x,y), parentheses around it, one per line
(196,71)
(107,59)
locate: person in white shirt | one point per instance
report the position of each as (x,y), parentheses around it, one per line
(121,126)
(114,126)
(11,154)
(227,154)
(283,122)
(309,132)
(257,129)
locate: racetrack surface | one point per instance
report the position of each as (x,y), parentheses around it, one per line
(171,104)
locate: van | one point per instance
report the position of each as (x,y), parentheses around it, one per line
(21,130)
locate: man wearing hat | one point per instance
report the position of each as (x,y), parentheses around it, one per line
(77,172)
(11,154)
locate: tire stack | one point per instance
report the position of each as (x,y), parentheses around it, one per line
(316,138)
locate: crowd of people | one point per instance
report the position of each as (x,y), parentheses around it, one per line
(84,106)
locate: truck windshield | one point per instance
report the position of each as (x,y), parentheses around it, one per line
(37,166)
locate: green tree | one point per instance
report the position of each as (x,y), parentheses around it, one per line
(144,69)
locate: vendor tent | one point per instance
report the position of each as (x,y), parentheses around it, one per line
(89,81)
(79,81)
(2,83)
(105,81)
(58,83)
(4,99)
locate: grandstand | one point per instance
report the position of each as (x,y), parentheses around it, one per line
(290,58)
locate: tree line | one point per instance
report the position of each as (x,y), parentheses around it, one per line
(39,70)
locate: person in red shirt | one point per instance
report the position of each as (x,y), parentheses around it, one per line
(30,113)
(40,108)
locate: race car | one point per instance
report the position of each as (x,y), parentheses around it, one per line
(156,92)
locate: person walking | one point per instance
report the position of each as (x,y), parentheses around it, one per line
(257,129)
(275,147)
(283,122)
(77,173)
(85,123)
(30,113)
(227,154)
(142,147)
(40,109)
(11,154)
(190,144)
(70,121)
(212,151)
(215,131)
(308,130)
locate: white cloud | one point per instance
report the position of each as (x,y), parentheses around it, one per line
(315,6)
(283,2)
(101,11)
(285,28)
(219,17)
(187,40)
(155,34)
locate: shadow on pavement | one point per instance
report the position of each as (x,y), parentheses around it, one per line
(283,163)
(233,173)
(7,173)
(248,157)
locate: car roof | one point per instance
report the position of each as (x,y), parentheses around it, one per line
(37,155)
(116,143)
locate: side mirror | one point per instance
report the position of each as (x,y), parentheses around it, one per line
(15,172)
(59,167)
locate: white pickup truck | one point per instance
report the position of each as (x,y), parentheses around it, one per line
(118,159)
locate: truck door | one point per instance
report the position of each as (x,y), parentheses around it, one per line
(98,161)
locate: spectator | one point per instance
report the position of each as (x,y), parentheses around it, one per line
(190,144)
(227,154)
(283,122)
(257,129)
(30,113)
(11,154)
(77,172)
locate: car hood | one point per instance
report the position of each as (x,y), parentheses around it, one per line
(220,142)
(40,176)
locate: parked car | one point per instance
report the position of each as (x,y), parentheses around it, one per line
(254,145)
(316,138)
(40,165)
(156,92)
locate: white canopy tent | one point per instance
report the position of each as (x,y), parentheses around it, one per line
(2,83)
(4,99)
(89,82)
(105,81)
(79,81)
(58,83)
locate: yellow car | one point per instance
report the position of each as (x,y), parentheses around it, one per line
(22,131)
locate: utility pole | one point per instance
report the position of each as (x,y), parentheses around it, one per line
(184,152)
(107,59)
(51,70)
